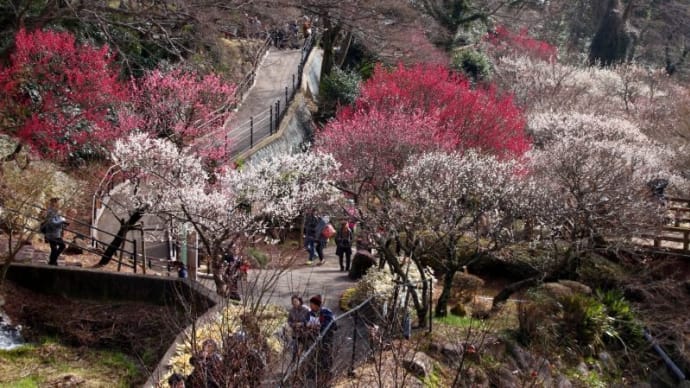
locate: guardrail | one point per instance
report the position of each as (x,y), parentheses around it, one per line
(266,122)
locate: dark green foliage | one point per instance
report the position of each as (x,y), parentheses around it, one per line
(473,64)
(339,88)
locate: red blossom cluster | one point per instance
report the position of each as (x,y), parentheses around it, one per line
(504,41)
(58,95)
(66,100)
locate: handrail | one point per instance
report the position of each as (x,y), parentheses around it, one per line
(305,356)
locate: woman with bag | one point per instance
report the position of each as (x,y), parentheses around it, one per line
(343,242)
(324,231)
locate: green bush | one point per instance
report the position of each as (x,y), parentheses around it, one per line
(337,89)
(473,64)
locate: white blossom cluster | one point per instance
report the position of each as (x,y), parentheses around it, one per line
(166,181)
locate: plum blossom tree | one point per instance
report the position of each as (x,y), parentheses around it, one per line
(183,106)
(164,181)
(62,98)
(459,205)
(597,169)
(373,145)
(411,110)
(153,169)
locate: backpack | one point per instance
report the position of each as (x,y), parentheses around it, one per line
(328,231)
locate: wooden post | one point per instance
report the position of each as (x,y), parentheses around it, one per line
(143,250)
(192,250)
(119,262)
(251,132)
(286,97)
(134,252)
(270,120)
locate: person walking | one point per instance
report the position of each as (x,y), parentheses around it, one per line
(343,242)
(297,320)
(322,236)
(322,320)
(311,221)
(52,228)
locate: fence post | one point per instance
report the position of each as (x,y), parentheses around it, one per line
(293,84)
(143,250)
(286,97)
(270,120)
(351,372)
(278,111)
(251,132)
(134,251)
(431,307)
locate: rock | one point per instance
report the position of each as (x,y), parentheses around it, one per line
(458,310)
(576,287)
(508,378)
(557,290)
(522,357)
(607,362)
(466,285)
(419,365)
(563,382)
(361,263)
(582,368)
(450,352)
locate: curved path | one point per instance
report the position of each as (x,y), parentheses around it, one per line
(306,281)
(277,70)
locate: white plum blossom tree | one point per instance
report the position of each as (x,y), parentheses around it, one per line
(462,205)
(166,181)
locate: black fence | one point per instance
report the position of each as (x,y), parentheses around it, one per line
(355,338)
(267,122)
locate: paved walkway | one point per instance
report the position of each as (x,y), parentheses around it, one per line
(306,281)
(273,74)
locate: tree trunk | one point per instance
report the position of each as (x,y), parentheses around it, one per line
(119,238)
(612,42)
(511,289)
(330,34)
(442,304)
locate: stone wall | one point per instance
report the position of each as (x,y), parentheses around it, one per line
(109,286)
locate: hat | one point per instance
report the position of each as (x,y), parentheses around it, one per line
(316,299)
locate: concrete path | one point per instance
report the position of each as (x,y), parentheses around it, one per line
(306,281)
(273,74)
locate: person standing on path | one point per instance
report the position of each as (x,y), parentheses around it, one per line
(323,321)
(321,239)
(52,230)
(297,320)
(343,242)
(311,221)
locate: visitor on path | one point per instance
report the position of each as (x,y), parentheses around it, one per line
(343,242)
(208,367)
(324,231)
(311,221)
(297,320)
(176,381)
(322,320)
(52,228)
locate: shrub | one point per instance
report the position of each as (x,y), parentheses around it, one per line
(473,64)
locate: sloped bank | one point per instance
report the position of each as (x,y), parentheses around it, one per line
(138,316)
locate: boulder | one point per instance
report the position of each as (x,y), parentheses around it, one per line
(419,364)
(563,382)
(557,290)
(450,352)
(361,263)
(576,287)
(458,310)
(507,378)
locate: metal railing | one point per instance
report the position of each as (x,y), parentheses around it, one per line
(352,339)
(267,122)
